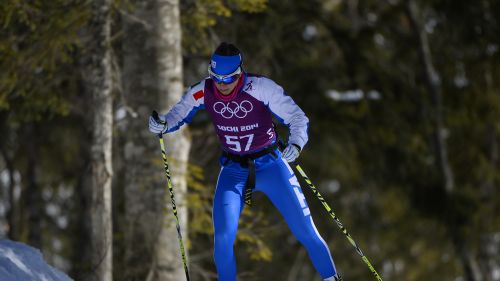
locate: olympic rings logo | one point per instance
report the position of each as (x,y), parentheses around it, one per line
(233,109)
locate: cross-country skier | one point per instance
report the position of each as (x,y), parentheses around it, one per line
(241,106)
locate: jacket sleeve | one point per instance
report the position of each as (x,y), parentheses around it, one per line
(287,112)
(184,111)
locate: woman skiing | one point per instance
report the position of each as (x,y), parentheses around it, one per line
(241,107)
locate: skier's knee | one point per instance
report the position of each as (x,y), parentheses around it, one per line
(223,243)
(223,246)
(223,239)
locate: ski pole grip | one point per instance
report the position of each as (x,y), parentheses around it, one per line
(157,118)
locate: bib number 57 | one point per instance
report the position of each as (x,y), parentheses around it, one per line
(235,142)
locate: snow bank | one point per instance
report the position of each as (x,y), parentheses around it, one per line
(20,262)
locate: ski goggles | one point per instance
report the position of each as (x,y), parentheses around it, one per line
(224,79)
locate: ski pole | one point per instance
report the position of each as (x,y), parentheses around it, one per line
(336,219)
(171,189)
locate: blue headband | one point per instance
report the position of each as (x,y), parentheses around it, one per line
(223,65)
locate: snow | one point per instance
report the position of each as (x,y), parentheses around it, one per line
(353,95)
(20,262)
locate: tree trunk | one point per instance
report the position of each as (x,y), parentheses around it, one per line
(143,178)
(12,212)
(98,84)
(433,82)
(489,242)
(170,70)
(152,79)
(32,190)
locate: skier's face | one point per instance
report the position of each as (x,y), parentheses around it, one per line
(226,89)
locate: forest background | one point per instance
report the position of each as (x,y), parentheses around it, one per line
(404,106)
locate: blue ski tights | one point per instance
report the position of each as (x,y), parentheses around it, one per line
(275,178)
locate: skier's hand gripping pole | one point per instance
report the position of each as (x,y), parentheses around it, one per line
(171,190)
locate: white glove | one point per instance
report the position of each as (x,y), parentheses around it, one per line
(157,127)
(291,152)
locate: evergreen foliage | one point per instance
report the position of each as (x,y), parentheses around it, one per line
(372,154)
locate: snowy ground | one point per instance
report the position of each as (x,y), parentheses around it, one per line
(20,262)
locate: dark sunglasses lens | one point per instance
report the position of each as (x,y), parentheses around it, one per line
(225,80)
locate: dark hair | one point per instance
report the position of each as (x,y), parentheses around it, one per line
(227,49)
